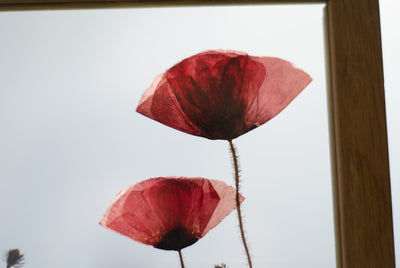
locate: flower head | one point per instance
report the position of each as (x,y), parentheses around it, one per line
(170,213)
(222,94)
(14,258)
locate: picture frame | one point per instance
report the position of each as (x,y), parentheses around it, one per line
(360,163)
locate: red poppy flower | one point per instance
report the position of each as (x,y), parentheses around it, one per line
(170,213)
(222,94)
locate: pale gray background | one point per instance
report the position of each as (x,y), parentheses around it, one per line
(70,139)
(390,24)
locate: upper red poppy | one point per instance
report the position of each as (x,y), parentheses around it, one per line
(170,213)
(222,94)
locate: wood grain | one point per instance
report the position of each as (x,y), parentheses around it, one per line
(362,182)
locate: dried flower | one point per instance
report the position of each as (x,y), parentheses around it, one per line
(14,258)
(170,213)
(222,94)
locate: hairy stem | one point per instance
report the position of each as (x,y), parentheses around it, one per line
(181,259)
(239,213)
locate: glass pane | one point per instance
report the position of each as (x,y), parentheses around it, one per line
(70,139)
(390,43)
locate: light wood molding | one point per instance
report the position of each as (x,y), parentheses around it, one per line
(361,182)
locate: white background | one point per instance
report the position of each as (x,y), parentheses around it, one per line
(70,139)
(390,24)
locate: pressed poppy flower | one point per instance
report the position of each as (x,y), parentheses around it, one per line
(170,213)
(222,94)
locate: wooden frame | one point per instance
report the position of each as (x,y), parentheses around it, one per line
(361,182)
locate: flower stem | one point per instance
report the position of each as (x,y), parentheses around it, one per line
(239,213)
(181,259)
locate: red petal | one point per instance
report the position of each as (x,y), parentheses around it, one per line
(283,82)
(170,112)
(227,203)
(152,209)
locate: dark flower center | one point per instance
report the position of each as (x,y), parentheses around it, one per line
(176,239)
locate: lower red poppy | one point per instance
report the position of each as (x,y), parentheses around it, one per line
(170,213)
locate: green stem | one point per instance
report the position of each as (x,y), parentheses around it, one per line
(239,213)
(181,259)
